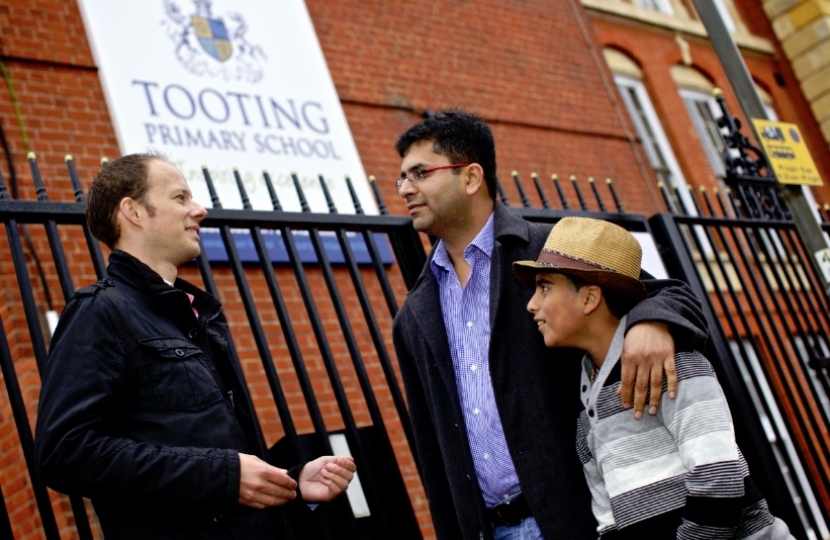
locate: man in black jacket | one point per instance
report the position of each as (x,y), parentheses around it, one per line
(142,407)
(493,415)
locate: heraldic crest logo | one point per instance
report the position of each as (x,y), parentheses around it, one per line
(206,45)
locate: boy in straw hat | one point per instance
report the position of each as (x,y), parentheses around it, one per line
(678,474)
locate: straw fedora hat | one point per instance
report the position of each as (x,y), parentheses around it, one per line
(597,251)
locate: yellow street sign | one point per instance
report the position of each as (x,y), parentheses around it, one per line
(787,153)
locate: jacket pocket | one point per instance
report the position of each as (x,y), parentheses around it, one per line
(180,380)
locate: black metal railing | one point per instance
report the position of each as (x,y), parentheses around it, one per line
(769,323)
(383,487)
(767,316)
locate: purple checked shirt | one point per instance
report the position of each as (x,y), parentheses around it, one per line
(467,320)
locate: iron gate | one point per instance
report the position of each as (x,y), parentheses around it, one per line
(768,322)
(363,316)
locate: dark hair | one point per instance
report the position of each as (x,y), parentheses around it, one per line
(618,303)
(461,136)
(124,177)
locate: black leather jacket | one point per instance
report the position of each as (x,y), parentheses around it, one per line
(143,410)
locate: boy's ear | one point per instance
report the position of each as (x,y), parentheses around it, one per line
(592,298)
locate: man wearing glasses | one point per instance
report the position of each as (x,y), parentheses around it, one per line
(494,418)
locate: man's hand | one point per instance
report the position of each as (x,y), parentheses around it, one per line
(648,353)
(326,477)
(261,485)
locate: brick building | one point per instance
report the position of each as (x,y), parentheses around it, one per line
(616,89)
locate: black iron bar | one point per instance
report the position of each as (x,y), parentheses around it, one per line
(92,244)
(762,241)
(68,289)
(262,345)
(502,194)
(558,186)
(283,314)
(331,365)
(800,317)
(52,234)
(210,287)
(24,430)
(313,315)
(817,358)
(378,198)
(539,190)
(667,197)
(250,308)
(748,334)
(27,444)
(5,523)
(377,339)
(672,233)
(377,263)
(597,196)
(578,191)
(522,194)
(72,213)
(613,191)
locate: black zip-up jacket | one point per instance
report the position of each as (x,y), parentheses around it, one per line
(144,411)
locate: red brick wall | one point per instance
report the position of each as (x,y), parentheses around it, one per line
(523,66)
(655,52)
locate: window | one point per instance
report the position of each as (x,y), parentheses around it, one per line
(703,110)
(655,143)
(696,92)
(628,78)
(663,6)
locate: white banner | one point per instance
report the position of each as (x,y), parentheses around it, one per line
(227,83)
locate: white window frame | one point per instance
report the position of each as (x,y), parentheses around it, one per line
(661,157)
(662,6)
(709,133)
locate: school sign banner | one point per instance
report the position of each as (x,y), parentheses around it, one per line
(224,84)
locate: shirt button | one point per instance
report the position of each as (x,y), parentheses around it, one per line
(193,332)
(486,456)
(473,367)
(591,413)
(476,411)
(584,387)
(179,352)
(469,324)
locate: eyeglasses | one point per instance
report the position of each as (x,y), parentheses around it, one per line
(417,176)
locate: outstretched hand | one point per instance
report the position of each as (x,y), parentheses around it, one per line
(648,354)
(326,477)
(262,485)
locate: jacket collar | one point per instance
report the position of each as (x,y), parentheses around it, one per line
(131,271)
(506,224)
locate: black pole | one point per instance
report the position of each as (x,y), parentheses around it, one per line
(91,242)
